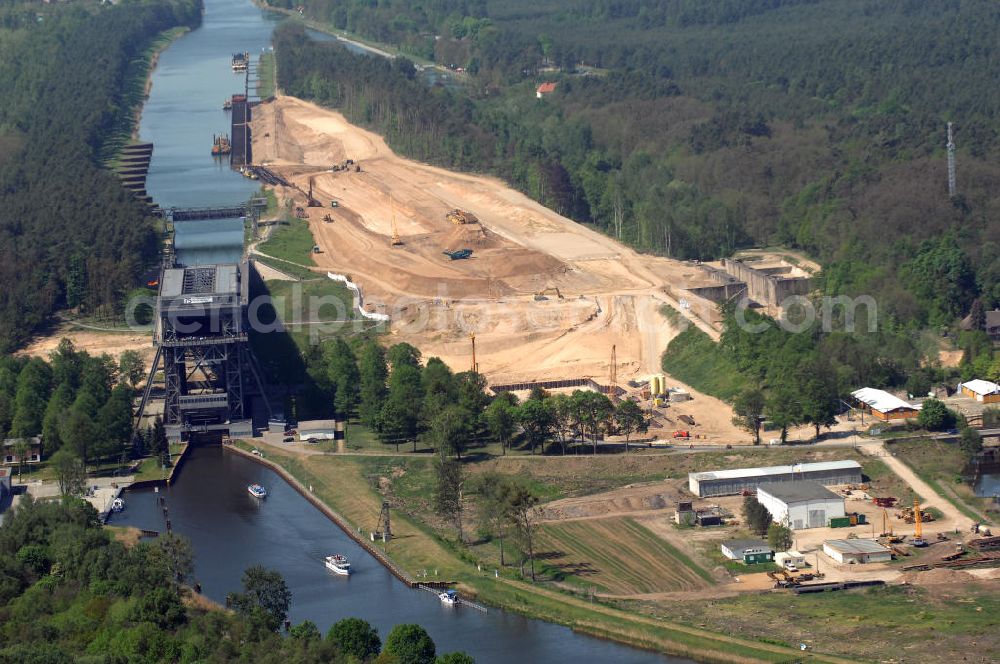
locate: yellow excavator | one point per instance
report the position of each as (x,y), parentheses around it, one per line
(887,529)
(396,240)
(545,292)
(918,526)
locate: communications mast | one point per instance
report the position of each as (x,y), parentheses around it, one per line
(951,163)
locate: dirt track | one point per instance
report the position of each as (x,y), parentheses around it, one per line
(610,294)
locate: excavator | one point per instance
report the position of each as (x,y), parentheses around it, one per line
(918,526)
(887,529)
(396,240)
(552,290)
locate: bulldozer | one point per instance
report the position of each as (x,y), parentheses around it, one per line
(545,292)
(460,217)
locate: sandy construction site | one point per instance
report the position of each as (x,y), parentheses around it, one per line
(607,293)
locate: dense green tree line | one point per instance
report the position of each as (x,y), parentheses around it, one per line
(819,124)
(406,399)
(69,592)
(70,235)
(77,403)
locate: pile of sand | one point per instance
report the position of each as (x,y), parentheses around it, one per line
(471,236)
(937,576)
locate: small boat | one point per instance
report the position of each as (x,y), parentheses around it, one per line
(338,564)
(257,491)
(449,597)
(117,505)
(227,105)
(240,61)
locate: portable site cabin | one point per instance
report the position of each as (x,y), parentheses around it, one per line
(747,551)
(321,430)
(790,557)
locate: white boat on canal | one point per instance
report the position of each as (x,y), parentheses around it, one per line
(257,491)
(338,564)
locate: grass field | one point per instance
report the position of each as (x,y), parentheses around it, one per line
(940,464)
(292,243)
(573,475)
(889,624)
(693,358)
(617,556)
(265,82)
(347,484)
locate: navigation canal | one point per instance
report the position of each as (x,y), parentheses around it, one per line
(209,503)
(230,531)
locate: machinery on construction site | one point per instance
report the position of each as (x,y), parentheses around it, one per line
(396,240)
(911,514)
(461,217)
(311,200)
(458,255)
(327,219)
(887,533)
(300,212)
(918,527)
(346,165)
(545,292)
(221,145)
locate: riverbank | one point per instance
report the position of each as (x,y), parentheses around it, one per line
(339,486)
(141,84)
(375,48)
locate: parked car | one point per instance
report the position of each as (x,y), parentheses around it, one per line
(288,439)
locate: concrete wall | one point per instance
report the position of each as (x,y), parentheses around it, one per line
(721,293)
(769,285)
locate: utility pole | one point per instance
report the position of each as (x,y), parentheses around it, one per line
(613,387)
(475,365)
(951,163)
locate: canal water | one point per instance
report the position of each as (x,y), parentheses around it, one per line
(988,485)
(230,531)
(209,504)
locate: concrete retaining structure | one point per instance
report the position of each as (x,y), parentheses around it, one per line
(770,285)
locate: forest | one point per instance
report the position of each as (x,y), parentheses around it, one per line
(693,129)
(70,235)
(80,405)
(71,592)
